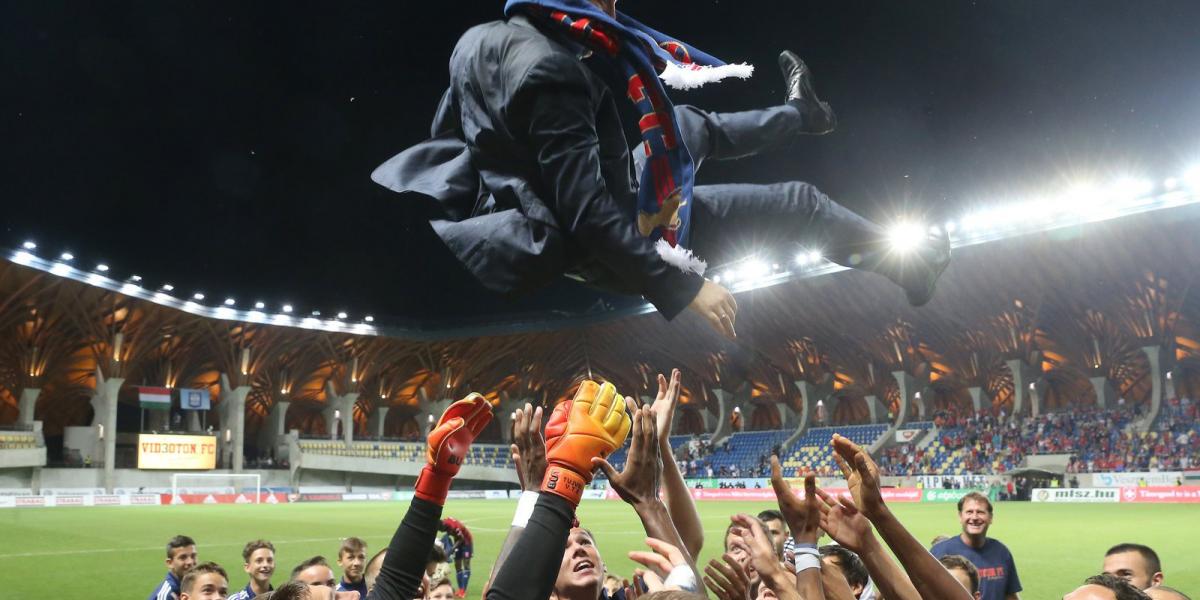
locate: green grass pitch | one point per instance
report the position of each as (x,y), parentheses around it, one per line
(117,552)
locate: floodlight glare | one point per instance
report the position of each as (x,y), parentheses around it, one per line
(756,268)
(1192,177)
(341,315)
(198,296)
(905,236)
(167,287)
(287,308)
(103,268)
(67,256)
(230,302)
(260,305)
(369,319)
(29,246)
(815,257)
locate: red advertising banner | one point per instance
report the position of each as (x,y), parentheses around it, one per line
(768,495)
(23,501)
(265,498)
(1178,493)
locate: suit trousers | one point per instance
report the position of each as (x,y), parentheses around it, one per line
(733,221)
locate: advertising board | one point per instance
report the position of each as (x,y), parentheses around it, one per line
(177,452)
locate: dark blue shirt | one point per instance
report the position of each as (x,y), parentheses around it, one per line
(167,590)
(360,587)
(997,571)
(247,593)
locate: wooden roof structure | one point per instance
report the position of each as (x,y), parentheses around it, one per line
(1079,303)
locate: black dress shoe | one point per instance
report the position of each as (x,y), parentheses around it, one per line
(931,260)
(797,80)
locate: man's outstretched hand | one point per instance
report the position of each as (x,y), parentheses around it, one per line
(449,443)
(803,516)
(637,484)
(862,476)
(717,306)
(528,448)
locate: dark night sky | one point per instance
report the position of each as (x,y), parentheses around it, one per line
(227,146)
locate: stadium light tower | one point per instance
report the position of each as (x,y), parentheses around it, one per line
(905,236)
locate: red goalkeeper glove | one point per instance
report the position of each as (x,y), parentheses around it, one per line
(448,445)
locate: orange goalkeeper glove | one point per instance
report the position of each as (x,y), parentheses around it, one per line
(596,425)
(448,445)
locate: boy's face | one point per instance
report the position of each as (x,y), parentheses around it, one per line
(352,563)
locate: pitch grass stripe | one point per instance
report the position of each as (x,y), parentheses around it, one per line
(158,547)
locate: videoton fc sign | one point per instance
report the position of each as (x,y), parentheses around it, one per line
(177,452)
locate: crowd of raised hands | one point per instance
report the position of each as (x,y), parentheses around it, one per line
(548,553)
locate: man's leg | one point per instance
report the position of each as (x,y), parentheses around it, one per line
(722,136)
(733,221)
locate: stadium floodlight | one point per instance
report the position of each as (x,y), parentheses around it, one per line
(66,256)
(1170,184)
(802,259)
(103,268)
(166,287)
(198,296)
(950,227)
(341,315)
(316,313)
(756,269)
(29,246)
(716,279)
(230,302)
(22,257)
(1131,189)
(815,257)
(287,308)
(135,278)
(1192,177)
(130,287)
(905,236)
(60,269)
(260,305)
(369,319)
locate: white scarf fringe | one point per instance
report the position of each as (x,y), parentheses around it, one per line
(681,258)
(687,77)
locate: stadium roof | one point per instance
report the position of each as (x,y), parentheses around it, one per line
(1083,300)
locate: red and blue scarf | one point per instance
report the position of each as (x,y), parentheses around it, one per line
(645,58)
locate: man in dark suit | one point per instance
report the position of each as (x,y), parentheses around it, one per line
(534,178)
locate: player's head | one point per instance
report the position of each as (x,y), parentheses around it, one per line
(581,574)
(259,559)
(352,558)
(975,514)
(440,589)
(938,539)
(1163,592)
(181,555)
(741,553)
(315,572)
(964,571)
(611,584)
(1106,587)
(437,556)
(847,563)
(298,590)
(1135,563)
(776,527)
(205,581)
(374,566)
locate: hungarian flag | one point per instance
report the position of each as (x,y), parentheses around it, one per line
(155,398)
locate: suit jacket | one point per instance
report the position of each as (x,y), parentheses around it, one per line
(529,164)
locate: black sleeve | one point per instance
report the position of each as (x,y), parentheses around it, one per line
(540,549)
(404,566)
(560,125)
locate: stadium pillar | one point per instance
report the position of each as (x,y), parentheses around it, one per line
(787,416)
(104,405)
(1022,375)
(976,393)
(233,419)
(434,408)
(376,421)
(872,407)
(193,421)
(909,387)
(1104,391)
(1154,355)
(724,409)
(278,421)
(27,403)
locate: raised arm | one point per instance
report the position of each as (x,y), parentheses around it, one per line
(847,526)
(404,566)
(675,493)
(637,484)
(596,425)
(804,519)
(529,455)
(928,575)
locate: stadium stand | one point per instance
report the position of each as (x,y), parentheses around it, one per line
(809,453)
(17,440)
